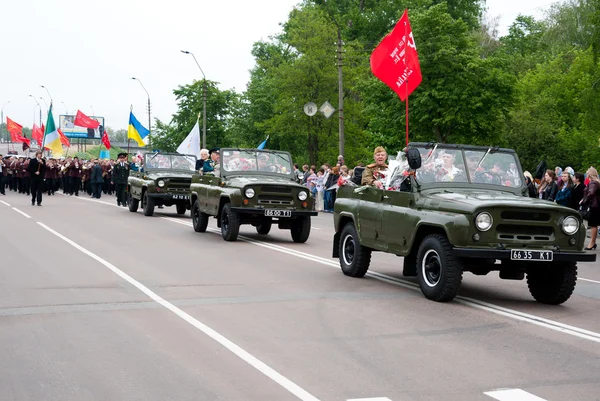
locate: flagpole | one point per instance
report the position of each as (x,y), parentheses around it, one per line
(406,71)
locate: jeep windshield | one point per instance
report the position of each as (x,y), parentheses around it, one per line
(492,166)
(160,161)
(248,161)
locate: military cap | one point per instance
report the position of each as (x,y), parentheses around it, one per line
(213,150)
(122,154)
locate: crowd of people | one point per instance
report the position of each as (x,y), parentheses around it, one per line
(571,189)
(38,175)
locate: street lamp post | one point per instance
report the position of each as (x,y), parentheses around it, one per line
(42,86)
(93,112)
(66,108)
(203,99)
(2,112)
(149,118)
(38,103)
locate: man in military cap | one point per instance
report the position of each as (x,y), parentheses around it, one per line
(119,178)
(374,172)
(212,166)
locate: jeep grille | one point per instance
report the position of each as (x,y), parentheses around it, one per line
(528,216)
(276,189)
(524,233)
(275,200)
(178,184)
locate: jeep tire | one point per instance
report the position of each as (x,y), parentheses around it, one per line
(133,203)
(263,229)
(148,204)
(354,258)
(438,271)
(552,283)
(301,229)
(181,208)
(199,219)
(230,223)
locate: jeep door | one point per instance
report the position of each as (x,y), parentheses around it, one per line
(370,217)
(399,220)
(212,196)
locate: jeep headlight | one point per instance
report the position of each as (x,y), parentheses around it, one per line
(302,195)
(249,193)
(160,183)
(484,221)
(570,225)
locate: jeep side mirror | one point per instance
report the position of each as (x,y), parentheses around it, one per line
(413,156)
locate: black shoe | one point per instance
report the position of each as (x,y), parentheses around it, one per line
(592,248)
(32,203)
(39,204)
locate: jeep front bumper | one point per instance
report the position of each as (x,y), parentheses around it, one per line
(257,211)
(505,254)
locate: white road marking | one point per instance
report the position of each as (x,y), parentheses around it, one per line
(23,213)
(587,279)
(370,399)
(512,394)
(7,204)
(235,349)
(495,309)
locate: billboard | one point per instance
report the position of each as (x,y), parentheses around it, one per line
(65,123)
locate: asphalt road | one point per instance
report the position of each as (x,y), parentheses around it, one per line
(97,303)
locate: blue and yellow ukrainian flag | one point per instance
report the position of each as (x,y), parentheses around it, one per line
(136,131)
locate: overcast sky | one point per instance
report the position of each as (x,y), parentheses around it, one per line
(86,52)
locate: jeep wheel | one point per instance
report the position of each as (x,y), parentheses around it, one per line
(181,208)
(148,204)
(263,229)
(199,219)
(438,271)
(230,223)
(301,229)
(133,203)
(552,283)
(354,258)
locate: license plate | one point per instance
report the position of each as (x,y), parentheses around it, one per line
(183,197)
(540,256)
(278,213)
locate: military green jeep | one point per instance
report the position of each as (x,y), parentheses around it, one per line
(464,208)
(164,181)
(252,186)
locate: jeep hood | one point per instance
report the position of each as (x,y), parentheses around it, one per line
(168,174)
(242,181)
(468,201)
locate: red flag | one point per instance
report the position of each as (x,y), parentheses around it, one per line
(21,138)
(37,134)
(63,139)
(14,129)
(395,60)
(81,120)
(106,140)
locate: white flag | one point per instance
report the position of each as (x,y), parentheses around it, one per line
(191,143)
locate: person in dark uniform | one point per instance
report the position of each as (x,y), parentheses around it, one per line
(119,178)
(37,170)
(96,180)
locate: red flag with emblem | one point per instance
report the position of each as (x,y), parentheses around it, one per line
(81,120)
(106,140)
(395,60)
(14,129)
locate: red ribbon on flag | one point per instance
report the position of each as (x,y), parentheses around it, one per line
(63,139)
(81,120)
(106,140)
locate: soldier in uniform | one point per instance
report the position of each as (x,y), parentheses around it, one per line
(373,172)
(212,166)
(120,174)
